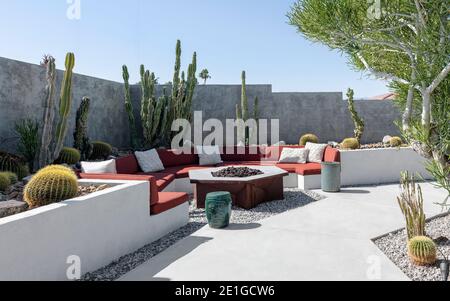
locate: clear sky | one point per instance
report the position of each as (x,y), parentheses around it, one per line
(228,35)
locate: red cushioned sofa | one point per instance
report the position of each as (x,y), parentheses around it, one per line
(177,166)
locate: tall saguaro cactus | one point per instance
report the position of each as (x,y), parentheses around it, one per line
(129,108)
(65,104)
(45,155)
(81,139)
(148,104)
(359,122)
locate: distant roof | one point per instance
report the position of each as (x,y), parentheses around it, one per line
(387,96)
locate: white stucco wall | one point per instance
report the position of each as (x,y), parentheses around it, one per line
(98,228)
(380,166)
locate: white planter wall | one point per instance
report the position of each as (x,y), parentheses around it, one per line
(98,228)
(380,166)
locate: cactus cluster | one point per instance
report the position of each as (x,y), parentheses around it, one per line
(69,156)
(15,164)
(350,143)
(308,138)
(422,251)
(5,181)
(81,139)
(51,185)
(100,150)
(158,114)
(396,142)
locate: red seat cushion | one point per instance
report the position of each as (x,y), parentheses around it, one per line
(162,179)
(127,165)
(173,158)
(169,200)
(150,179)
(309,169)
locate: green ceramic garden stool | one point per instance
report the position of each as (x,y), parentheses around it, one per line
(218,209)
(331,176)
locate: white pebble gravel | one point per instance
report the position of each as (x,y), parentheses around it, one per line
(294,198)
(394,246)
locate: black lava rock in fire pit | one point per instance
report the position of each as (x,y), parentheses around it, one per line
(236,172)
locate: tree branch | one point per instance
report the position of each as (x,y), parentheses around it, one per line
(380,75)
(437,81)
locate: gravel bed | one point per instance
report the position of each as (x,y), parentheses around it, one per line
(394,246)
(294,198)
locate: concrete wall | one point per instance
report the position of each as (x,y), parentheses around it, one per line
(325,114)
(98,228)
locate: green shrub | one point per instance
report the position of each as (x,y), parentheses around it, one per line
(308,138)
(422,251)
(350,143)
(5,181)
(68,156)
(13,163)
(51,185)
(396,142)
(100,150)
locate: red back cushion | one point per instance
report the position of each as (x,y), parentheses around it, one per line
(240,153)
(332,155)
(171,158)
(127,165)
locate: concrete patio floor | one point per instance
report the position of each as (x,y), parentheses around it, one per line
(325,240)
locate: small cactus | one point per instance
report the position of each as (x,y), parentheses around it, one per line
(422,250)
(12,176)
(395,142)
(69,156)
(51,185)
(308,138)
(13,163)
(100,150)
(5,181)
(57,167)
(350,143)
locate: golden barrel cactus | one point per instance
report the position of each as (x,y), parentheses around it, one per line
(308,138)
(100,150)
(68,155)
(350,143)
(422,250)
(395,142)
(51,185)
(5,181)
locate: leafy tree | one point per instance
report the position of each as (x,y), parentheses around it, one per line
(403,41)
(204,75)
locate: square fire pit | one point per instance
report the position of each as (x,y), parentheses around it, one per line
(246,192)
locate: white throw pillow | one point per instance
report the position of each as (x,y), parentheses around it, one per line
(99,167)
(149,161)
(294,155)
(209,155)
(316,152)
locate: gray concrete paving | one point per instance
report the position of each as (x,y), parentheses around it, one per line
(325,240)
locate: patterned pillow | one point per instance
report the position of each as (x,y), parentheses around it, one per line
(316,152)
(149,161)
(294,155)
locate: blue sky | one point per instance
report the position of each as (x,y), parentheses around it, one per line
(228,35)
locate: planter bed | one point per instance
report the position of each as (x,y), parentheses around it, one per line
(394,245)
(98,228)
(380,166)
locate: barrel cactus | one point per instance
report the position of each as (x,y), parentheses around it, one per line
(5,181)
(422,250)
(395,142)
(12,176)
(308,138)
(69,156)
(51,185)
(350,143)
(15,164)
(100,150)
(57,167)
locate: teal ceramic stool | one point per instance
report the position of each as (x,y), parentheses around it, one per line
(218,209)
(331,176)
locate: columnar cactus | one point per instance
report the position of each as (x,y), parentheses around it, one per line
(422,251)
(243,112)
(359,122)
(65,103)
(148,103)
(69,156)
(81,139)
(51,185)
(100,150)
(129,108)
(45,154)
